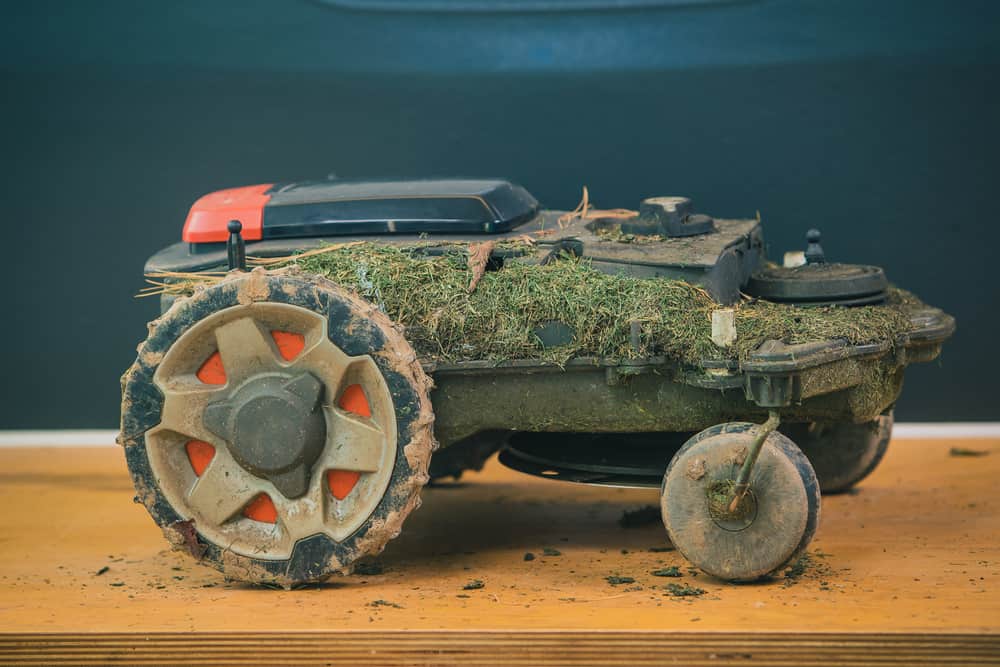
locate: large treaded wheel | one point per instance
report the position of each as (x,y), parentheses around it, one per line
(277,427)
(842,453)
(771,527)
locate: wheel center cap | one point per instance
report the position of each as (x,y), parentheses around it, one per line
(275,428)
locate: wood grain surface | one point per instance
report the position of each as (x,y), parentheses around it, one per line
(904,570)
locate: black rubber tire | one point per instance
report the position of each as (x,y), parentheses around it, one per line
(784,489)
(841,453)
(355,326)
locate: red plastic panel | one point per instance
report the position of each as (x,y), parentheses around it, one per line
(207,220)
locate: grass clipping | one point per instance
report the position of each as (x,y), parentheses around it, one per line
(429,295)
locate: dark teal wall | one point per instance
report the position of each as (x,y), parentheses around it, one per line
(876,122)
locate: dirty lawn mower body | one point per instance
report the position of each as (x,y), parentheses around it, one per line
(644,420)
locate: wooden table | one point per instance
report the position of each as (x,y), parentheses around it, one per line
(905,570)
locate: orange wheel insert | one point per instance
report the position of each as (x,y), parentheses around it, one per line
(200,454)
(289,344)
(354,400)
(342,482)
(212,372)
(261,509)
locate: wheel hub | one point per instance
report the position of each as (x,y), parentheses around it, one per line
(274,426)
(734,520)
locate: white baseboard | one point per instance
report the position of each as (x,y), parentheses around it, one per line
(957,430)
(106,437)
(59,438)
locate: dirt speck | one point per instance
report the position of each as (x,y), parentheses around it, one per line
(684,590)
(962,451)
(182,535)
(798,568)
(473,585)
(696,469)
(810,567)
(384,603)
(671,571)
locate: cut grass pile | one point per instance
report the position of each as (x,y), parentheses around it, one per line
(429,296)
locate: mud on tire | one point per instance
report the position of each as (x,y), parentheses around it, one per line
(339,321)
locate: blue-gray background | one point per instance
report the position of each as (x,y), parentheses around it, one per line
(875,121)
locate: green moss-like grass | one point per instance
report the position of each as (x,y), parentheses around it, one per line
(429,296)
(497,321)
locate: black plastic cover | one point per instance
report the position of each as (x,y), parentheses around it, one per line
(333,208)
(820,284)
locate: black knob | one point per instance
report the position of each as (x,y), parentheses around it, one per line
(236,247)
(814,251)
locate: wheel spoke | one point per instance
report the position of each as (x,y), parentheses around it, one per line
(183,410)
(351,444)
(325,360)
(222,490)
(245,348)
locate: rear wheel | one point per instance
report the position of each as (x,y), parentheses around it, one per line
(277,427)
(842,453)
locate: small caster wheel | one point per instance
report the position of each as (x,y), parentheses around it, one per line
(842,453)
(277,427)
(771,525)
